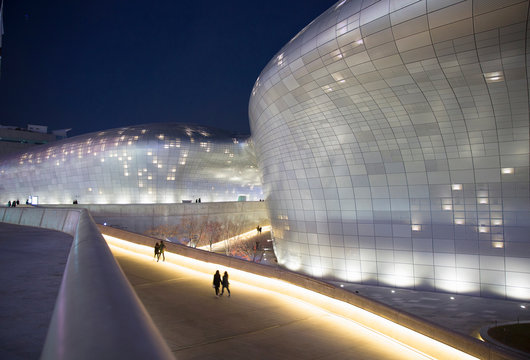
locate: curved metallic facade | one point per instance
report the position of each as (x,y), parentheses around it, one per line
(152,163)
(393,138)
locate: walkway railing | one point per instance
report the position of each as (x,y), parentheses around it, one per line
(97,315)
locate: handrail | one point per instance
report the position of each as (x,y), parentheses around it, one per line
(97,314)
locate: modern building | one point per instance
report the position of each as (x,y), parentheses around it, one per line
(154,163)
(14,138)
(392,144)
(393,139)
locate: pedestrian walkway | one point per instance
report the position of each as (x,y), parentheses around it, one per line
(32,262)
(252,323)
(462,313)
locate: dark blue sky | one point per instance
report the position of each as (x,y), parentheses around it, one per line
(100,64)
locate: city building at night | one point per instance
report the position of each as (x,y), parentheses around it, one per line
(392,137)
(15,139)
(153,163)
(390,140)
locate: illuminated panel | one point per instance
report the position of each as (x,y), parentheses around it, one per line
(390,136)
(383,329)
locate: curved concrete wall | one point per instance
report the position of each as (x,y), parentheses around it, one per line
(141,217)
(97,315)
(393,137)
(64,220)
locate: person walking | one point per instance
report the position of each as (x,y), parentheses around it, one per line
(217,282)
(157,251)
(161,250)
(225,284)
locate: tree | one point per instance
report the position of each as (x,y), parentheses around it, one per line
(163,231)
(213,232)
(248,250)
(200,230)
(231,231)
(194,229)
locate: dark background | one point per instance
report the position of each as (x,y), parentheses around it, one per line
(93,65)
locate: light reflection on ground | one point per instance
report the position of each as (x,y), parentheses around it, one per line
(388,338)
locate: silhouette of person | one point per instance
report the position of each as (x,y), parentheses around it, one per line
(225,284)
(161,251)
(9,203)
(217,282)
(157,252)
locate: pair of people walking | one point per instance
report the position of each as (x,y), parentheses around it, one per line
(159,250)
(217,282)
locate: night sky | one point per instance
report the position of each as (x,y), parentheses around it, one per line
(94,65)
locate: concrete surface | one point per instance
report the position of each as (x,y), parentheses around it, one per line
(142,217)
(439,331)
(64,219)
(97,313)
(251,324)
(464,314)
(32,262)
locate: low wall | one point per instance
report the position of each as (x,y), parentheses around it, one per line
(97,314)
(139,218)
(64,220)
(459,341)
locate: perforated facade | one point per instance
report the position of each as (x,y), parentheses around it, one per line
(152,163)
(393,138)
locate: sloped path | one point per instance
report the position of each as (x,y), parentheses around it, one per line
(252,324)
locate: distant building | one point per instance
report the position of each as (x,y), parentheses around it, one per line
(151,163)
(13,139)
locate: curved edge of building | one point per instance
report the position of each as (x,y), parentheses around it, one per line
(393,139)
(151,163)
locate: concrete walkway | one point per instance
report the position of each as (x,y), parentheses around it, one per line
(464,314)
(32,262)
(251,324)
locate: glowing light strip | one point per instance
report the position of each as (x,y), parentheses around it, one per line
(398,334)
(244,236)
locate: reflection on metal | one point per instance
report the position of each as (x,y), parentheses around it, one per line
(153,163)
(379,126)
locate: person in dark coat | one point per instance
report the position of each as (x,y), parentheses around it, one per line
(225,284)
(161,250)
(217,282)
(157,251)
